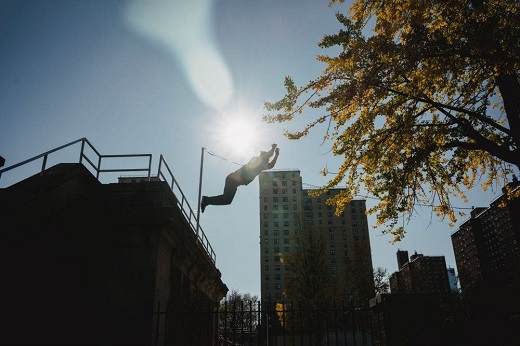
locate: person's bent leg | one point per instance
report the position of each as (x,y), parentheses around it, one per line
(230,189)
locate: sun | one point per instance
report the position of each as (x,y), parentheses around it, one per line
(239,135)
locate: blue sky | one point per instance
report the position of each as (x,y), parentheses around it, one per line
(167,79)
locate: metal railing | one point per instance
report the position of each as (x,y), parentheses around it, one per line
(183,204)
(96,165)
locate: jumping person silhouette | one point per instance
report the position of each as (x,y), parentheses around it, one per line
(242,176)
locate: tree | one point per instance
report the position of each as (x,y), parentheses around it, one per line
(427,105)
(311,285)
(238,312)
(310,279)
(381,280)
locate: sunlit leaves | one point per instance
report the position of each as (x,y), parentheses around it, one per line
(412,102)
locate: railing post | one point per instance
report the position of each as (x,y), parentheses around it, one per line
(44,163)
(149,165)
(81,151)
(98,167)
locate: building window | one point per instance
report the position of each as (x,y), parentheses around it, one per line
(265,207)
(286,249)
(276,249)
(267,286)
(278,296)
(286,232)
(265,191)
(295,207)
(275,224)
(275,207)
(275,191)
(285,215)
(266,241)
(266,267)
(275,183)
(286,240)
(284,183)
(276,232)
(285,199)
(266,249)
(284,191)
(285,207)
(266,216)
(266,232)
(277,277)
(266,223)
(277,267)
(276,241)
(333,252)
(284,175)
(275,199)
(275,216)
(265,199)
(266,277)
(286,223)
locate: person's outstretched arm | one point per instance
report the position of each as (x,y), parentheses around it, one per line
(273,161)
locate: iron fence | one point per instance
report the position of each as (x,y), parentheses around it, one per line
(265,323)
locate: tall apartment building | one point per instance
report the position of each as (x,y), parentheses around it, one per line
(422,274)
(487,249)
(286,210)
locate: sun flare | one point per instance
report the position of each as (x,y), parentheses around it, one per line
(239,136)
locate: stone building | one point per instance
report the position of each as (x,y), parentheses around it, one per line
(89,263)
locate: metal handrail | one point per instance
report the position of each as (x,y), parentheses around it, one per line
(182,202)
(185,207)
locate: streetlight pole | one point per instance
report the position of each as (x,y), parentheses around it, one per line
(200,189)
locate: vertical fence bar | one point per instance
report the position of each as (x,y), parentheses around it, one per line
(345,323)
(353,311)
(335,313)
(291,320)
(326,313)
(158,324)
(224,336)
(234,321)
(241,320)
(250,322)
(284,320)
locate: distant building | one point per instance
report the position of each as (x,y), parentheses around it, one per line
(402,258)
(452,279)
(422,274)
(487,252)
(286,209)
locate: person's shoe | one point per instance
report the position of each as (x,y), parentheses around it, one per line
(203,204)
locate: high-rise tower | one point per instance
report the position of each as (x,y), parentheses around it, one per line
(286,209)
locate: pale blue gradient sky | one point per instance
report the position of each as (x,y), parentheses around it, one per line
(72,69)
